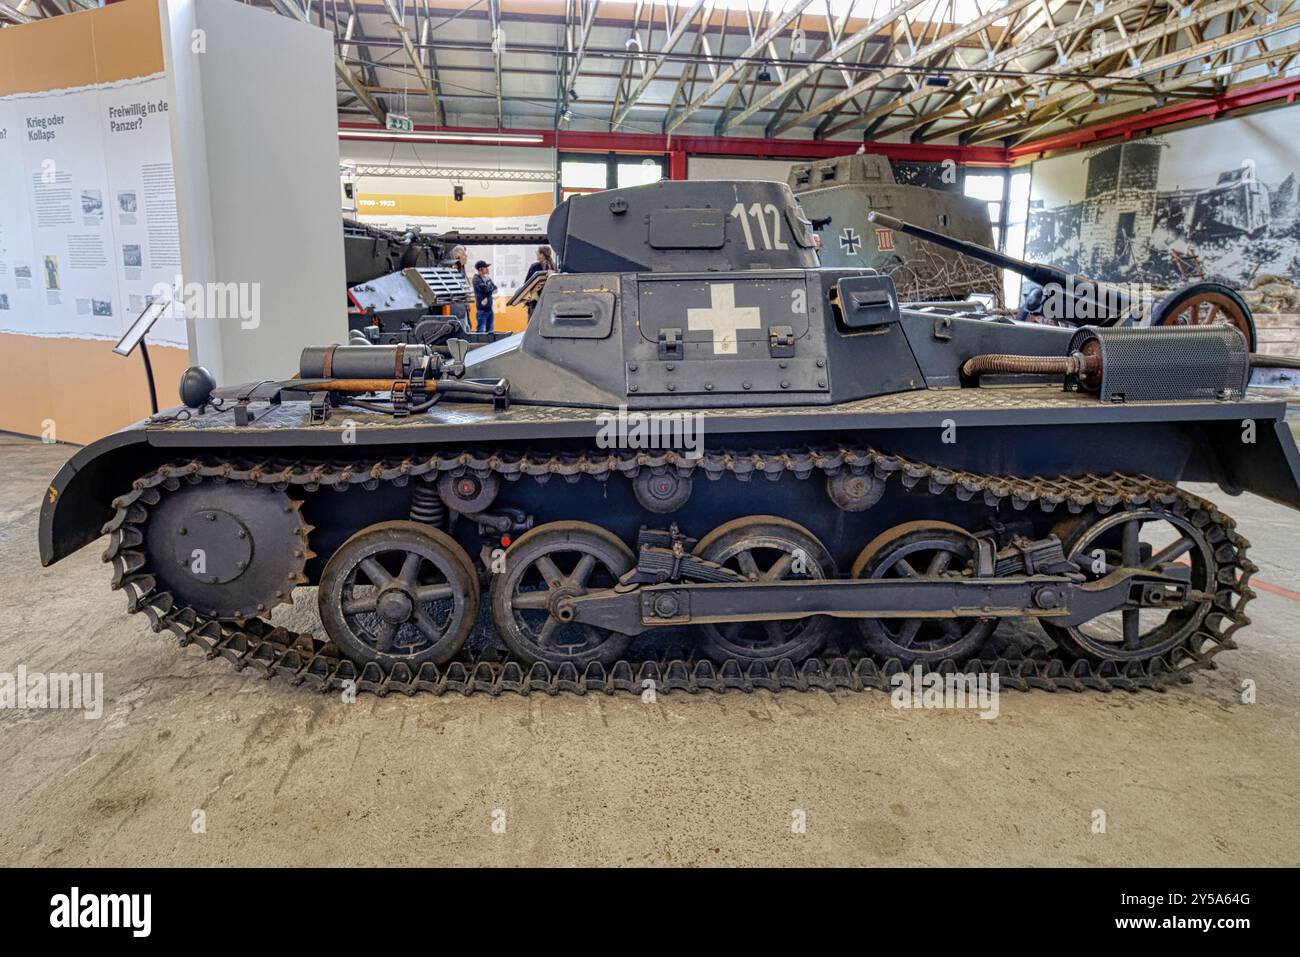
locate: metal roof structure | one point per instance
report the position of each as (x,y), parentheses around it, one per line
(971,72)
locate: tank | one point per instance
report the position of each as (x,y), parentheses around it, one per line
(708,463)
(406,287)
(370,251)
(837,194)
(413,306)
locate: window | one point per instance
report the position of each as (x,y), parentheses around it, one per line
(988,187)
(577,174)
(984,186)
(1017,217)
(588,172)
(1006,194)
(648,170)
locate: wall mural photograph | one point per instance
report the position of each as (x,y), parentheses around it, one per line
(1217,202)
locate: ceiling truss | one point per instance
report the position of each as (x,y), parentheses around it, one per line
(999,72)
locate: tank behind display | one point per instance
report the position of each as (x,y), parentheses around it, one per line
(370,251)
(837,194)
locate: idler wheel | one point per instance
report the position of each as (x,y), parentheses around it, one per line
(545,565)
(854,492)
(227,550)
(1149,538)
(766,548)
(469,493)
(399,592)
(662,493)
(925,550)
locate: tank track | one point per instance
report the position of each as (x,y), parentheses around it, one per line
(305,660)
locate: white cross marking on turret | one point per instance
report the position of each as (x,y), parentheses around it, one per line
(722,318)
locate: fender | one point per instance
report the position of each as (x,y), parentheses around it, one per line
(1256,456)
(78,501)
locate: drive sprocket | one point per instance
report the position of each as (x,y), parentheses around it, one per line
(230,550)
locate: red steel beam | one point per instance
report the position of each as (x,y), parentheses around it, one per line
(582,141)
(1207,108)
(677,164)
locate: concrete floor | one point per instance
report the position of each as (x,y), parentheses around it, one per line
(284,776)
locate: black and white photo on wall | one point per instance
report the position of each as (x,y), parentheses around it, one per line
(1216,201)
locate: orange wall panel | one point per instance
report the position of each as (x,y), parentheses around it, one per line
(128,40)
(51,54)
(81,385)
(117,42)
(416,204)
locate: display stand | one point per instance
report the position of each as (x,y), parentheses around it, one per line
(134,336)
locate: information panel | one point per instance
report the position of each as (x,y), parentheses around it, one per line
(88,228)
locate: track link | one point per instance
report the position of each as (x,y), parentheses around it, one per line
(305,660)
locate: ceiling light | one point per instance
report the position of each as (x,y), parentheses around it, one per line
(439,136)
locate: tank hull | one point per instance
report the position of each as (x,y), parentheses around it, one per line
(1020,430)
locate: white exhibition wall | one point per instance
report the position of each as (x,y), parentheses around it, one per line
(256,155)
(90,228)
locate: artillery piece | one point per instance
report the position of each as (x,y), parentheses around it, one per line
(708,462)
(1058,296)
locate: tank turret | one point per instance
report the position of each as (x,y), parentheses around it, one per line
(683,227)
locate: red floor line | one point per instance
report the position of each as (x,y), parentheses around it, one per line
(1262,585)
(1275,589)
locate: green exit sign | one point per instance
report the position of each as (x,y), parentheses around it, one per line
(398,123)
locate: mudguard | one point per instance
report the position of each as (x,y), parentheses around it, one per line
(78,501)
(1258,457)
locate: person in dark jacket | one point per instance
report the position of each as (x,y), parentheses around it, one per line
(545,263)
(484,289)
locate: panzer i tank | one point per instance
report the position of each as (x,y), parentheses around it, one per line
(708,462)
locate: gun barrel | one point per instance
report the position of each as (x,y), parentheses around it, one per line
(1034,271)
